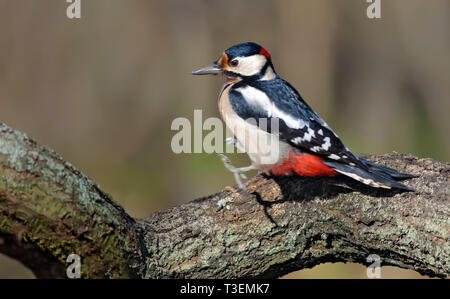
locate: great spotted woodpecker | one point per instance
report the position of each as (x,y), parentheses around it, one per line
(307,146)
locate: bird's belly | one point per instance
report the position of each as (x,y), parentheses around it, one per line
(264,149)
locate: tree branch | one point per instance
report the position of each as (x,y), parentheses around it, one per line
(49,210)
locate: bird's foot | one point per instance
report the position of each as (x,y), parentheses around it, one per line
(236,143)
(238,175)
(237,172)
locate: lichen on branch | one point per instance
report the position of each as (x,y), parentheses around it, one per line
(49,210)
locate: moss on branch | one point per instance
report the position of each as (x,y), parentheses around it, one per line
(49,210)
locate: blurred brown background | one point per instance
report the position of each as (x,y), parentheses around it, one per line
(103,90)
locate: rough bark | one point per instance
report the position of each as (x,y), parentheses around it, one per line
(49,210)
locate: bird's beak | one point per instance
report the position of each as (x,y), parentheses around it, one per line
(213,69)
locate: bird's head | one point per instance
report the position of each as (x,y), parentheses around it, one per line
(243,61)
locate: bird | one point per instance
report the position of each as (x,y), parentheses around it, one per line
(257,104)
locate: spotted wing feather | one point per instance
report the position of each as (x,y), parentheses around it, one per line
(299,125)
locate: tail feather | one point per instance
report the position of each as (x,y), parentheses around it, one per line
(377,176)
(374,167)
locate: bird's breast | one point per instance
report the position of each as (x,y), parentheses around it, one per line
(263,148)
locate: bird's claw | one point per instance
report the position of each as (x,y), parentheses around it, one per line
(237,172)
(230,140)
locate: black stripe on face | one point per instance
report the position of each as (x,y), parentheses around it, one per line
(258,76)
(233,74)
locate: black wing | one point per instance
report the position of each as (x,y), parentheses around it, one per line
(299,125)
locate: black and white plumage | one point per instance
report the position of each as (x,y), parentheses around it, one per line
(306,144)
(298,123)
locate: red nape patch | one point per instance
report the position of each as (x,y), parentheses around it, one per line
(264,52)
(303,165)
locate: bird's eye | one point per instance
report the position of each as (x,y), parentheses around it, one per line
(234,62)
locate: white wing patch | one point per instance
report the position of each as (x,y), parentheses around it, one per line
(327,143)
(316,149)
(257,98)
(334,157)
(308,135)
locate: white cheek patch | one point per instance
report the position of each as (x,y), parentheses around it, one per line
(249,66)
